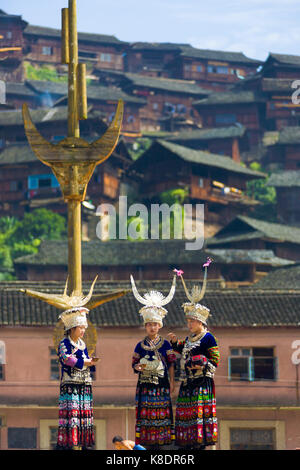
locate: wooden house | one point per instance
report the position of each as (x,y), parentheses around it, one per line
(216,70)
(43,46)
(211,69)
(26,183)
(281,66)
(214,180)
(11,46)
(151,59)
(168,103)
(287,185)
(282,149)
(281,110)
(18,93)
(102,98)
(245,107)
(228,141)
(148,260)
(245,232)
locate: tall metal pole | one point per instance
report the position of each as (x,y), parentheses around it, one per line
(73,161)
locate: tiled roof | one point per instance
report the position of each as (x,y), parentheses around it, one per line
(260,257)
(41,31)
(243,227)
(208,133)
(229,308)
(201,157)
(146,252)
(163,46)
(94,92)
(18,88)
(285,59)
(167,84)
(287,277)
(285,179)
(277,84)
(41,115)
(228,56)
(230,97)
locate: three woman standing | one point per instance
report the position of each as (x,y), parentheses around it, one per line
(153,360)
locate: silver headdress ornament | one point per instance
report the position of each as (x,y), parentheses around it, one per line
(193,309)
(153,301)
(75,313)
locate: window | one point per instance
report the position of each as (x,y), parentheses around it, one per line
(252,364)
(9,35)
(54,365)
(87,55)
(187,68)
(199,68)
(47,50)
(21,438)
(225,118)
(201,183)
(169,108)
(181,109)
(217,69)
(252,439)
(53,437)
(105,57)
(42,181)
(2,360)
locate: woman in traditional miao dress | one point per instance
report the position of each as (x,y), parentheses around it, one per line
(154,360)
(196,423)
(75,429)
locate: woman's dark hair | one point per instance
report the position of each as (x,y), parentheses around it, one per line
(117,439)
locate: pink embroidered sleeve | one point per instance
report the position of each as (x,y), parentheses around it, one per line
(67,359)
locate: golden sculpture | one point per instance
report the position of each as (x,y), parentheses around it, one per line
(73,161)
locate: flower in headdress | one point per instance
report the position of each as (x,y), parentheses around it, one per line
(208,262)
(179,272)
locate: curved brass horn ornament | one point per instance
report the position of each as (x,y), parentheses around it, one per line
(73,149)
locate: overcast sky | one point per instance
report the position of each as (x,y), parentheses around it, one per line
(255,27)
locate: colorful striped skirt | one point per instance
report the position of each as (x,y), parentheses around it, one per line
(154,416)
(196,422)
(75,427)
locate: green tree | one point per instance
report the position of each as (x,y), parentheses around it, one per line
(40,224)
(22,237)
(266,195)
(43,73)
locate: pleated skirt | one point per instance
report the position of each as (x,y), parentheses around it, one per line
(154,416)
(195,418)
(75,428)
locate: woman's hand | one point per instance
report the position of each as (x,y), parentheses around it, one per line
(140,367)
(173,338)
(89,362)
(195,367)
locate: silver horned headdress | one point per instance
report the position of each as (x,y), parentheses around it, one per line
(154,302)
(75,313)
(193,309)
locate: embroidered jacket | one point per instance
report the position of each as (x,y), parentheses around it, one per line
(158,357)
(72,358)
(198,350)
